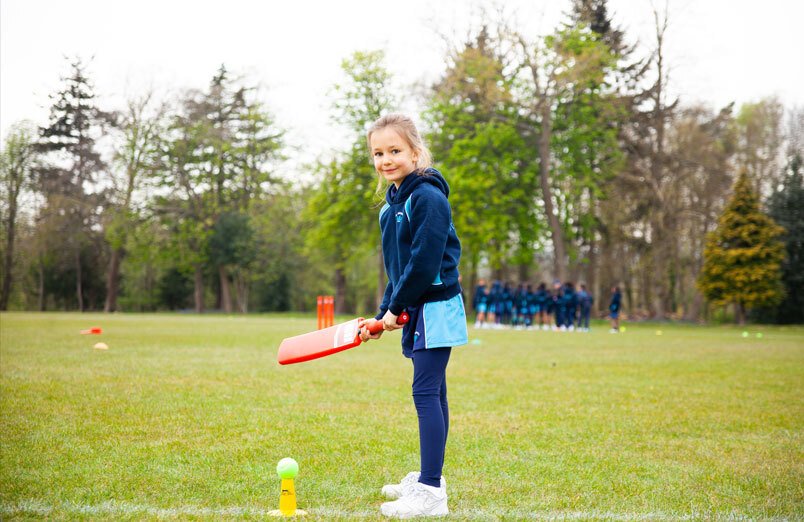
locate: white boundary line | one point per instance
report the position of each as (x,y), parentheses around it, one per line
(114,507)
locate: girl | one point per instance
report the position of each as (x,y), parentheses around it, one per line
(421,251)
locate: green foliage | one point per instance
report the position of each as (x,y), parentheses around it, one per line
(232,240)
(585,141)
(68,177)
(475,141)
(742,257)
(786,207)
(341,227)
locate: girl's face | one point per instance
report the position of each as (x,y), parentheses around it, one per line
(394,158)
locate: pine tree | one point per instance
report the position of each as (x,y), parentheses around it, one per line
(742,257)
(68,179)
(786,206)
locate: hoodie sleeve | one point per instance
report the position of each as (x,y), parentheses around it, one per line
(430,223)
(386,300)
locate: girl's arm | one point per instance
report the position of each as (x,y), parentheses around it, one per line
(386,300)
(431,223)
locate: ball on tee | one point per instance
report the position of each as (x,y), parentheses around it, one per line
(287,468)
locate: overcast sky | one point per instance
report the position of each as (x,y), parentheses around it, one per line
(718,50)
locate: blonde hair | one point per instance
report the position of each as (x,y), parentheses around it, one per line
(407,129)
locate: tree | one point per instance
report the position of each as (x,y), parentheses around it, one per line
(786,207)
(134,159)
(69,175)
(759,143)
(474,135)
(217,158)
(742,257)
(16,171)
(701,149)
(568,67)
(342,228)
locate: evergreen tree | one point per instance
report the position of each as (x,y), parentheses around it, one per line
(218,158)
(68,181)
(742,257)
(786,206)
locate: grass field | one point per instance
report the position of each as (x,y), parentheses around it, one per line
(186,417)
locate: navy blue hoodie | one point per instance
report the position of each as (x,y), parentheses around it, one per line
(419,243)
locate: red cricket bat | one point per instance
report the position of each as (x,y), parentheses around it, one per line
(325,342)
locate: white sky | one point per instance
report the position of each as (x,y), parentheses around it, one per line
(718,50)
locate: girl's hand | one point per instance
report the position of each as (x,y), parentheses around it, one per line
(389,322)
(365,335)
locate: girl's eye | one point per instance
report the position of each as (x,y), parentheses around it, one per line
(377,154)
(396,151)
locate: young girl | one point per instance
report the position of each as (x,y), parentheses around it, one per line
(421,251)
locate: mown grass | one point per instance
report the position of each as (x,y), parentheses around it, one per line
(186,416)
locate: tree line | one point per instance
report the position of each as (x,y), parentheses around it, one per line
(566,157)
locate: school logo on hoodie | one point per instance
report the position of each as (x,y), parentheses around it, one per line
(399,217)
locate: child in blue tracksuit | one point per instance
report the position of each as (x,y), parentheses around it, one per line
(421,251)
(480,302)
(569,304)
(614,309)
(585,301)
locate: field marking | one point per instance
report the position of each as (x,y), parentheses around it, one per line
(113,507)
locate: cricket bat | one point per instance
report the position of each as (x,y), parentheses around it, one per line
(325,342)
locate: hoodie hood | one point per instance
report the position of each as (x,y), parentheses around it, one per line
(413,180)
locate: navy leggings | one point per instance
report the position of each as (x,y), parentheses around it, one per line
(430,398)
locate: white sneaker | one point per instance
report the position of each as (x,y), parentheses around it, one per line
(405,486)
(423,500)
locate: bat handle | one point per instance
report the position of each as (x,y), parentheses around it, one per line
(375,327)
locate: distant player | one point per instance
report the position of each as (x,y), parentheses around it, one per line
(480,303)
(585,300)
(614,309)
(570,306)
(508,305)
(540,306)
(521,308)
(495,305)
(558,308)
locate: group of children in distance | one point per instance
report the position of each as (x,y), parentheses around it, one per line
(562,308)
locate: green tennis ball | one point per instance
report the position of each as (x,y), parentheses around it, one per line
(287,468)
(745,334)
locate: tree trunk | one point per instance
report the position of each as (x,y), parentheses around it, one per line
(79,284)
(242,287)
(112,280)
(340,291)
(591,275)
(694,313)
(557,235)
(8,263)
(41,286)
(226,294)
(198,294)
(739,313)
(659,269)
